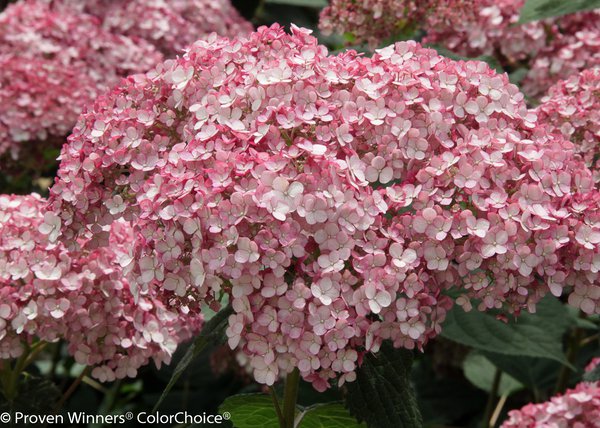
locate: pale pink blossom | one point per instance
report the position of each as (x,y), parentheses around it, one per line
(290,214)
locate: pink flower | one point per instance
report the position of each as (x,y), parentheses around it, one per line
(171,27)
(247,251)
(91,306)
(571,109)
(578,407)
(284,198)
(274,191)
(53,61)
(494,243)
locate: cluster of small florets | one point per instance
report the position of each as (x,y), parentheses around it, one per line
(572,108)
(48,293)
(573,46)
(335,199)
(577,408)
(368,21)
(169,25)
(373,21)
(38,101)
(552,49)
(53,63)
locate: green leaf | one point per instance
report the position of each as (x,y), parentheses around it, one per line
(444,400)
(258,411)
(517,76)
(251,411)
(35,395)
(584,323)
(382,394)
(305,3)
(532,335)
(213,332)
(480,372)
(330,415)
(534,10)
(537,374)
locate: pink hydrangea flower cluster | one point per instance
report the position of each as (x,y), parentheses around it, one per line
(53,63)
(573,46)
(48,293)
(335,199)
(372,21)
(38,101)
(169,25)
(552,49)
(576,408)
(572,108)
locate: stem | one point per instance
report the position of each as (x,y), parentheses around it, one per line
(290,396)
(277,407)
(10,381)
(497,410)
(33,353)
(588,340)
(96,385)
(71,390)
(489,407)
(572,350)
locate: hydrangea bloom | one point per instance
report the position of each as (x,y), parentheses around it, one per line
(53,63)
(552,49)
(170,25)
(572,108)
(372,21)
(37,101)
(577,408)
(574,45)
(48,293)
(335,199)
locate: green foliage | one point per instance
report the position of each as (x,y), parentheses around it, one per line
(480,372)
(532,335)
(36,396)
(330,415)
(251,411)
(258,411)
(534,10)
(537,374)
(445,400)
(382,394)
(213,332)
